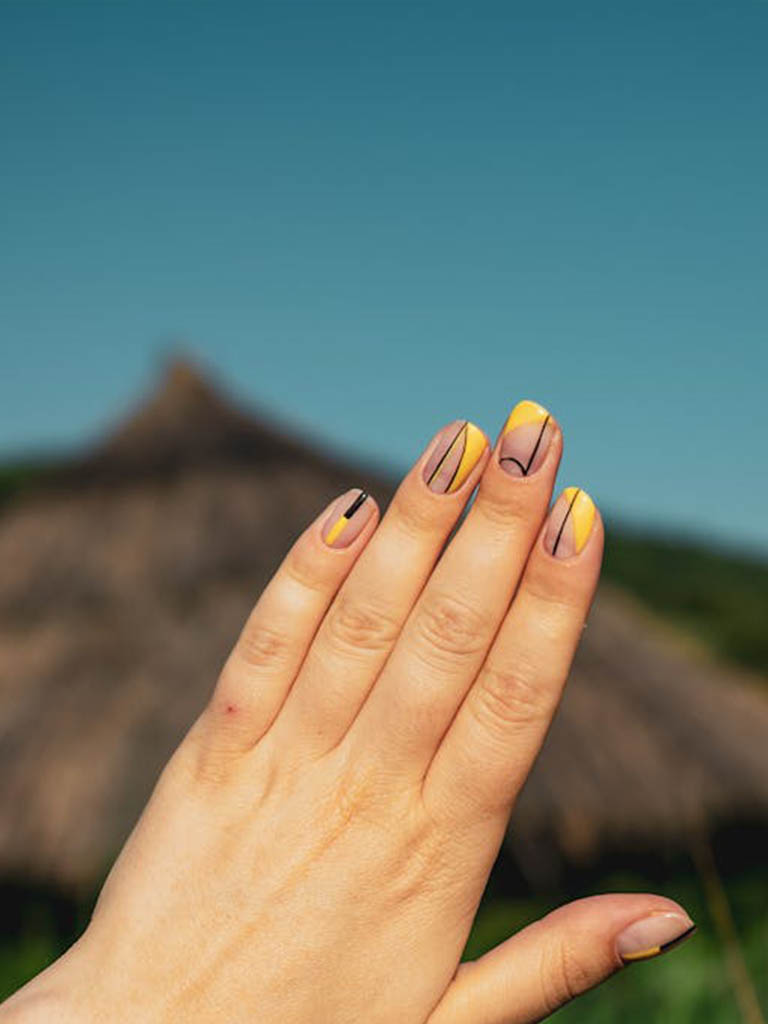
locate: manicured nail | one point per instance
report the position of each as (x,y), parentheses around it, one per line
(653,935)
(570,523)
(454,456)
(525,438)
(347,518)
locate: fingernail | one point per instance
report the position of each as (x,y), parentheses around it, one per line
(570,523)
(653,935)
(347,518)
(525,438)
(456,451)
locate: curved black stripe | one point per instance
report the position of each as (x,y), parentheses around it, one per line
(565,520)
(511,458)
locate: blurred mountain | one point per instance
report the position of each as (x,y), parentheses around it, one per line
(127,573)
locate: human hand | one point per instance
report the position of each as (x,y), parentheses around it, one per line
(317,846)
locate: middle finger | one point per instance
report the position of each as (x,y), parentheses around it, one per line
(447,635)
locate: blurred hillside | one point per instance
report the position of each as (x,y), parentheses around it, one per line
(719,598)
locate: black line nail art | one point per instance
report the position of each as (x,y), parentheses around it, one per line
(565,520)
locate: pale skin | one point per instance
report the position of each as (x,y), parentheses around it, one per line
(317,846)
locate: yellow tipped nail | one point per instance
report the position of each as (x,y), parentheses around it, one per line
(570,523)
(582,513)
(643,954)
(474,445)
(455,455)
(525,412)
(525,439)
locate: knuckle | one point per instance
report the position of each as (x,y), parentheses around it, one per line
(450,627)
(356,624)
(423,867)
(511,697)
(413,517)
(505,509)
(261,646)
(563,975)
(557,595)
(303,568)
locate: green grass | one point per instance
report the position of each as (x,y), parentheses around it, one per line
(16,477)
(22,960)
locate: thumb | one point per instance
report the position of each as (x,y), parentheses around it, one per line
(564,954)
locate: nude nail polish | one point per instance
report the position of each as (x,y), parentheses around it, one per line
(653,935)
(525,439)
(347,518)
(570,523)
(455,454)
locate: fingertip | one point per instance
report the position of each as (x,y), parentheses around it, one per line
(627,926)
(662,926)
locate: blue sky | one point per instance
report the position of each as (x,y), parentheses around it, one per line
(371,218)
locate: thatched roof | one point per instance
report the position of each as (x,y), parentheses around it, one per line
(125,581)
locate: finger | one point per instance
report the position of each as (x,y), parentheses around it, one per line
(447,635)
(561,956)
(266,658)
(496,734)
(366,616)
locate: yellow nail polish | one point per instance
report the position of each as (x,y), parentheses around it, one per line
(343,511)
(644,954)
(454,457)
(525,412)
(652,935)
(583,514)
(473,449)
(525,439)
(657,950)
(336,529)
(570,523)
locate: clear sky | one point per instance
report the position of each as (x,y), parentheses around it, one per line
(373,217)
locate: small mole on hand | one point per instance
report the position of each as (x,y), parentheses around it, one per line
(231,709)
